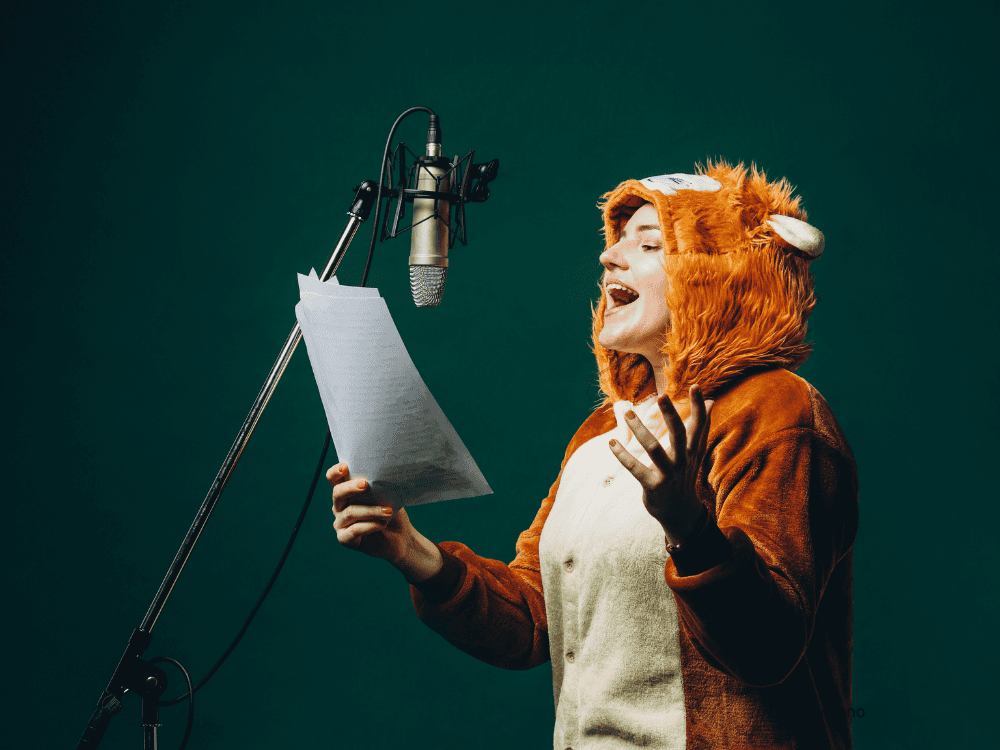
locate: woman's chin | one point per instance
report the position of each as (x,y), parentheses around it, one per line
(615,341)
(626,341)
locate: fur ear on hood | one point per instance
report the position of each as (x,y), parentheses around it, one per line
(739,294)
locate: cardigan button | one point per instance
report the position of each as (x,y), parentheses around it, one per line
(568,565)
(607,481)
(570,656)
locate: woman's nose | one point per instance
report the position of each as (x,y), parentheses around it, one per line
(613,257)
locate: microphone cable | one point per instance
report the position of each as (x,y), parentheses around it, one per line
(381,177)
(189,695)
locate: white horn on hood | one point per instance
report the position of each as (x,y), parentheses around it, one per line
(799,234)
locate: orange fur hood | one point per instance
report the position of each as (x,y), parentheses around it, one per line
(739,295)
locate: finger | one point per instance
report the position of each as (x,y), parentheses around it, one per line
(337,473)
(703,443)
(349,492)
(640,472)
(699,446)
(675,428)
(699,416)
(353,514)
(352,536)
(654,448)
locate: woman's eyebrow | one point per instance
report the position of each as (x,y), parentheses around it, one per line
(641,228)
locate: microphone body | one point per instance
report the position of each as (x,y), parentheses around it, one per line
(429,239)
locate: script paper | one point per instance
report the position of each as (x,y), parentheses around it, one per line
(384,422)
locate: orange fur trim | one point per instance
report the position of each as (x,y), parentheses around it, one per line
(738,298)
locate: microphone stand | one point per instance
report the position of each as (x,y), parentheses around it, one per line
(134,673)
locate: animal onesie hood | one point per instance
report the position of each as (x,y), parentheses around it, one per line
(740,293)
(758,613)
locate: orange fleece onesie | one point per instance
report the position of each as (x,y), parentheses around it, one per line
(765,605)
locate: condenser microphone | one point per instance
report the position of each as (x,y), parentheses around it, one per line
(431,221)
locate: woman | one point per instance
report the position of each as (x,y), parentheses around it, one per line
(689,573)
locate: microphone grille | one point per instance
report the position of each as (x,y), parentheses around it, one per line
(427,285)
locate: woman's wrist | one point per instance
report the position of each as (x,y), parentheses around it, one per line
(701,547)
(421,560)
(687,526)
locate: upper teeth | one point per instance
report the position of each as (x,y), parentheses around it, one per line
(615,286)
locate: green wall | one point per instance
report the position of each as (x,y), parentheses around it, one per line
(167,171)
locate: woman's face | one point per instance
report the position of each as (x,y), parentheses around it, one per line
(635,285)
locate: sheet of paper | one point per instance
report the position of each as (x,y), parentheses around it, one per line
(384,422)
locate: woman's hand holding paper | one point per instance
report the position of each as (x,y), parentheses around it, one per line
(378,530)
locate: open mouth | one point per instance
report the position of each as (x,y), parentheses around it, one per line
(619,295)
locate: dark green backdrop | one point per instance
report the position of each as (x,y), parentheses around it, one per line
(167,171)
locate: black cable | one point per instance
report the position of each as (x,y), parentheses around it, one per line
(267,589)
(381,177)
(189,694)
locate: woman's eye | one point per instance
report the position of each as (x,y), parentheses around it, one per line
(649,248)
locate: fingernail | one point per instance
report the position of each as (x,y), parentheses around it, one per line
(612,442)
(387,511)
(363,484)
(630,414)
(709,403)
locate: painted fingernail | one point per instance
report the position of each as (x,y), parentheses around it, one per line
(630,414)
(612,442)
(386,511)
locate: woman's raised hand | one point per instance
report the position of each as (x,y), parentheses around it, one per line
(669,487)
(376,530)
